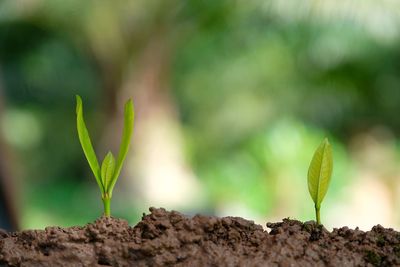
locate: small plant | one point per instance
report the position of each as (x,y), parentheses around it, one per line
(319,175)
(107,176)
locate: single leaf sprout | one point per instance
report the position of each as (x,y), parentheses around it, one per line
(107,175)
(319,175)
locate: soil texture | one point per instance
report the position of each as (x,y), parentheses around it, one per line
(164,238)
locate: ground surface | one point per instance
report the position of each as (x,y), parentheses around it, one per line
(165,238)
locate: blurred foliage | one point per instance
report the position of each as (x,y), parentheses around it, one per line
(257,85)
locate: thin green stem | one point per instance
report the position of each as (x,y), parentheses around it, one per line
(317,215)
(107,201)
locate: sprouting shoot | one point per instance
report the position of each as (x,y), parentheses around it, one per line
(319,175)
(107,175)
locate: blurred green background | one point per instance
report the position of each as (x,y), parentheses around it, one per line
(231,100)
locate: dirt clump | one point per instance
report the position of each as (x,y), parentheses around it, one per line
(165,238)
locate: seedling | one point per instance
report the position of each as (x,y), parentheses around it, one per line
(319,175)
(107,176)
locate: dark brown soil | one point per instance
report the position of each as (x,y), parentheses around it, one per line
(165,238)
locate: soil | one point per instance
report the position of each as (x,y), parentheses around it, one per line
(164,238)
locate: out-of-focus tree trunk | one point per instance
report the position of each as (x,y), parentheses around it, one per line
(8,196)
(161,175)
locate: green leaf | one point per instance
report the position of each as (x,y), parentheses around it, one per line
(86,143)
(107,170)
(320,172)
(126,139)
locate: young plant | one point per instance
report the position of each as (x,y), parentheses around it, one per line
(319,175)
(107,175)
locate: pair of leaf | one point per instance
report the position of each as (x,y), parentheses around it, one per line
(320,172)
(107,176)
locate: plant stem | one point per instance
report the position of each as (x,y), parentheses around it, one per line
(107,201)
(317,215)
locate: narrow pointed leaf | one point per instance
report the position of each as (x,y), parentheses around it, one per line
(86,143)
(320,172)
(125,142)
(107,170)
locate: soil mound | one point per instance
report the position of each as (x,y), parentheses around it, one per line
(165,238)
